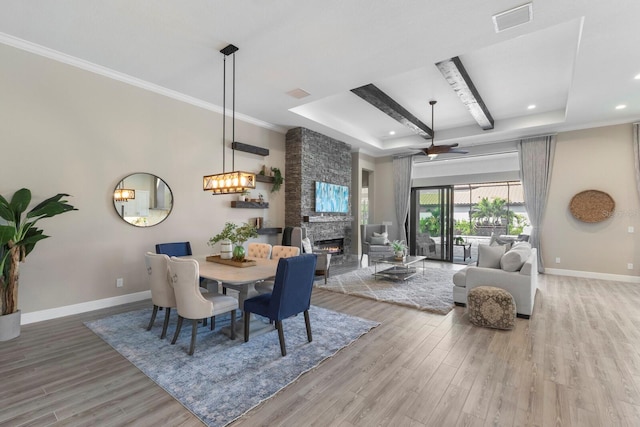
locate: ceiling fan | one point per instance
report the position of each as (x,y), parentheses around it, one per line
(433,150)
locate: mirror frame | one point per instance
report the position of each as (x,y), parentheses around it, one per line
(119,206)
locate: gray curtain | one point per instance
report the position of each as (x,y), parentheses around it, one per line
(402,170)
(636,153)
(536,162)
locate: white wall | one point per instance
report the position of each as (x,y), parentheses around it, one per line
(68,130)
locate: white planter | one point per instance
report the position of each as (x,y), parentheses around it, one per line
(10,326)
(226,249)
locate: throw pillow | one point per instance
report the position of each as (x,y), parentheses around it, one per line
(378,240)
(521,245)
(306,245)
(489,256)
(385,235)
(503,241)
(515,258)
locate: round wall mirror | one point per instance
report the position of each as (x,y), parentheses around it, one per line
(142,199)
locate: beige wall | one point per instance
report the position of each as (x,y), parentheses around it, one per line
(68,130)
(601,159)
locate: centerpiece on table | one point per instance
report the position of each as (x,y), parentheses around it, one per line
(399,248)
(234,236)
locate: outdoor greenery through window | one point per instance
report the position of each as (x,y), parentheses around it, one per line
(483,209)
(478,210)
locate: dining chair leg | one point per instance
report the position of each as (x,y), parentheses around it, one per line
(153,317)
(308,325)
(167,312)
(213,323)
(283,347)
(233,324)
(194,333)
(178,327)
(204,322)
(246,315)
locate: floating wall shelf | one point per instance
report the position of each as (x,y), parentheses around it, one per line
(270,230)
(264,178)
(239,146)
(249,205)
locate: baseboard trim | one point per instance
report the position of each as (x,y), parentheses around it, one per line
(54,313)
(593,275)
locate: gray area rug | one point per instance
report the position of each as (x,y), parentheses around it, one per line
(225,378)
(431,291)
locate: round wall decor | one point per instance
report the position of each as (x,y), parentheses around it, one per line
(592,206)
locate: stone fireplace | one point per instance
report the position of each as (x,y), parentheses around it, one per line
(311,157)
(331,246)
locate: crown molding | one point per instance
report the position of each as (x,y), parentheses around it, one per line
(55,55)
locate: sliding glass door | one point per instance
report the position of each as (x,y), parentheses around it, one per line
(431,222)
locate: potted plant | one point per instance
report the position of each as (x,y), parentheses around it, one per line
(18,237)
(235,235)
(398,248)
(278,179)
(243,196)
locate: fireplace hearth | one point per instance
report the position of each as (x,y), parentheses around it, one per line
(332,246)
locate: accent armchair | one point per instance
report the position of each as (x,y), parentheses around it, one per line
(291,295)
(375,241)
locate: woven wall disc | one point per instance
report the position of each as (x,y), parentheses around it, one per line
(592,206)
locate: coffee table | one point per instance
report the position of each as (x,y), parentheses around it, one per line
(402,269)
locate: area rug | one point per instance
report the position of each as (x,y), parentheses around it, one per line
(226,378)
(431,291)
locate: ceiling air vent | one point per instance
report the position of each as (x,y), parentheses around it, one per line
(513,17)
(298,93)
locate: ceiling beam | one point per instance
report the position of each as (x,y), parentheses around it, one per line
(374,96)
(458,78)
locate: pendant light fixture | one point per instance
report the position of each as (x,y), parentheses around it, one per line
(236,181)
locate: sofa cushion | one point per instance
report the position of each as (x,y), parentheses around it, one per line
(378,240)
(306,245)
(383,234)
(514,259)
(489,256)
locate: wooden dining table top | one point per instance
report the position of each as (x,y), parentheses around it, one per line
(264,269)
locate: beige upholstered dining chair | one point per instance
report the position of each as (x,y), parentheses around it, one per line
(192,304)
(277,253)
(161,290)
(259,250)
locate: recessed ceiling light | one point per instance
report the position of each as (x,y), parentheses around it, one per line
(531,107)
(392,132)
(621,107)
(637,77)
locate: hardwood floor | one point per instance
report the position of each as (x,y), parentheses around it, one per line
(576,362)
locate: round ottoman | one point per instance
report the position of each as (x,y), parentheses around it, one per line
(491,307)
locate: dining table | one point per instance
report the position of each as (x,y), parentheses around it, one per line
(240,279)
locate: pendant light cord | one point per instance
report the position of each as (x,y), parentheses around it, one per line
(224,110)
(233,115)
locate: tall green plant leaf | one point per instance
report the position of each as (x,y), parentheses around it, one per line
(5,210)
(19,203)
(50,207)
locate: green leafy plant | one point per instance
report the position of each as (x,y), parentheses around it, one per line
(18,237)
(278,179)
(398,245)
(236,234)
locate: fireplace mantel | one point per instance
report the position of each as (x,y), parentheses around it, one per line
(328,218)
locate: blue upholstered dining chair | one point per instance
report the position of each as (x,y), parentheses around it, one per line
(174,249)
(291,295)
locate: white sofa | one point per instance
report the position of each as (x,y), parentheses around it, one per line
(522,284)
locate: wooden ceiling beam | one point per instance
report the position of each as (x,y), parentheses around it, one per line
(383,102)
(458,78)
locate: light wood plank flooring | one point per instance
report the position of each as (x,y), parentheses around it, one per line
(575,363)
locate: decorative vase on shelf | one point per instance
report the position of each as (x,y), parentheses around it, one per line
(226,248)
(238,253)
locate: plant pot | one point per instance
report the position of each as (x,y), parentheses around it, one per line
(238,253)
(399,254)
(10,326)
(226,249)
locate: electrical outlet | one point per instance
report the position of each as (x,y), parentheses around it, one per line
(119,282)
(630,229)
(629,266)
(558,260)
